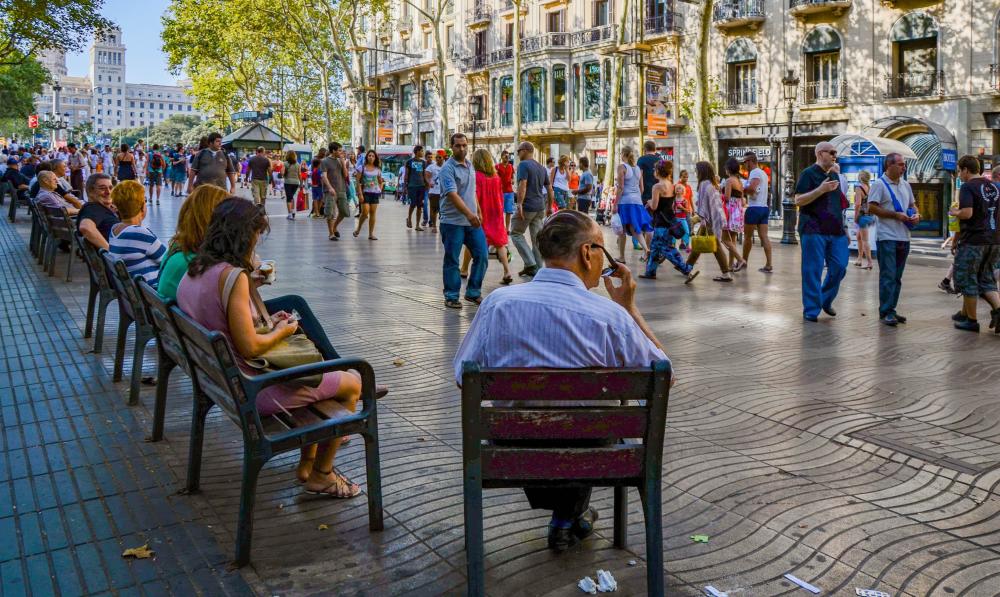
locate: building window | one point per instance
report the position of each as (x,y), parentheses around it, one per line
(170,106)
(427,44)
(161,105)
(591,90)
(741,75)
(915,71)
(559,93)
(406,97)
(426,97)
(505,101)
(601,13)
(533,95)
(821,48)
(449,88)
(142,104)
(189,108)
(405,139)
(427,138)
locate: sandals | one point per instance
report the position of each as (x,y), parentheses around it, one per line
(356,233)
(766,270)
(372,238)
(344,489)
(506,280)
(739,267)
(476,300)
(723,278)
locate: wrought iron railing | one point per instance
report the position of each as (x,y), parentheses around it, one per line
(995,77)
(477,61)
(545,41)
(915,84)
(824,92)
(478,14)
(668,22)
(743,97)
(731,10)
(799,3)
(594,35)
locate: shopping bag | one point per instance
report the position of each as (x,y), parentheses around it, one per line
(704,242)
(300,200)
(616,225)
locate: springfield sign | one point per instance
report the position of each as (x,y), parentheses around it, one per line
(763,152)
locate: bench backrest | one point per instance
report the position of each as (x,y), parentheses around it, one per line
(158,312)
(128,294)
(216,372)
(60,225)
(571,443)
(95,265)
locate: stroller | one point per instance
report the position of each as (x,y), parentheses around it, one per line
(603,208)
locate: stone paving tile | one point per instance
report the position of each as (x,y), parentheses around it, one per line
(758,448)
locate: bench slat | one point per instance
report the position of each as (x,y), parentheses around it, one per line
(516,463)
(583,423)
(574,385)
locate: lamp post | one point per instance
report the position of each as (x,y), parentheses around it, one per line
(305,121)
(790,84)
(475,106)
(56,88)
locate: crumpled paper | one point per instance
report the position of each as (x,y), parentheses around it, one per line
(139,553)
(605,582)
(587,585)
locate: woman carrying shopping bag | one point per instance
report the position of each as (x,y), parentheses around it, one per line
(711,222)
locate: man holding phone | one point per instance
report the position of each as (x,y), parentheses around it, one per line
(561,324)
(891,200)
(821,198)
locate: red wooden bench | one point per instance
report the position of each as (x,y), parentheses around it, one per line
(619,464)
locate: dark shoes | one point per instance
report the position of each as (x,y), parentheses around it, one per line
(476,300)
(959,317)
(889,320)
(811,318)
(829,311)
(995,320)
(528,271)
(900,318)
(645,277)
(562,539)
(969,325)
(452,304)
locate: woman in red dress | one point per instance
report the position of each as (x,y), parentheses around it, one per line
(490,199)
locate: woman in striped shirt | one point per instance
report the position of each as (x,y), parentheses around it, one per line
(130,241)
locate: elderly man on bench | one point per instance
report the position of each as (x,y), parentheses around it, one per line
(558,323)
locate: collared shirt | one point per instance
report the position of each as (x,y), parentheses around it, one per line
(825,215)
(891,228)
(559,324)
(47,198)
(457,178)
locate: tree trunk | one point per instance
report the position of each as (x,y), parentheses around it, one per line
(442,90)
(703,120)
(616,89)
(517,75)
(324,76)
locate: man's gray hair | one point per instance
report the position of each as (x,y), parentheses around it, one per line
(563,234)
(93,179)
(892,158)
(47,174)
(56,163)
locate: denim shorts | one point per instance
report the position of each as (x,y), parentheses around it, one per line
(562,198)
(508,203)
(755,216)
(974,266)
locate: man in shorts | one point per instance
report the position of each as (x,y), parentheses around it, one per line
(434,192)
(757,212)
(416,185)
(335,180)
(978,253)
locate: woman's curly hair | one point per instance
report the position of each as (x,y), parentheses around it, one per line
(231,236)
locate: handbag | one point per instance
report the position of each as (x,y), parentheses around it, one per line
(704,242)
(293,351)
(300,200)
(616,225)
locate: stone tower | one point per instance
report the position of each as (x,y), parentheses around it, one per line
(107,75)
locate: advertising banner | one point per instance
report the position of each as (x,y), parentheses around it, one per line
(386,123)
(659,89)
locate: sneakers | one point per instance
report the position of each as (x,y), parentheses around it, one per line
(649,277)
(889,320)
(560,539)
(969,325)
(691,276)
(528,272)
(945,285)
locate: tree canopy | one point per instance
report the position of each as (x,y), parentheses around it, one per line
(31,26)
(19,82)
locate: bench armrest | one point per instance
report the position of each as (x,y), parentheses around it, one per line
(259,382)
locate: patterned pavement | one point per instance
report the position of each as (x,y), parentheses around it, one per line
(843,452)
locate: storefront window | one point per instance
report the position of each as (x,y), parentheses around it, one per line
(559,93)
(533,95)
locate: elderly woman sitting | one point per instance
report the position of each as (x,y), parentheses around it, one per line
(48,185)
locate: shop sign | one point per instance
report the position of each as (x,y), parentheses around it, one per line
(600,157)
(949,159)
(763,152)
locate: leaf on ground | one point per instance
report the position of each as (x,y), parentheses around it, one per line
(140,553)
(398,362)
(699,538)
(322,527)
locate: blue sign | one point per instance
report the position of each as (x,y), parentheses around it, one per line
(949,159)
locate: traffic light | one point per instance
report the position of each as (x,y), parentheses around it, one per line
(33,121)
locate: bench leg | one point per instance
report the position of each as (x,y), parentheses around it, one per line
(124,321)
(373,472)
(164,366)
(88,329)
(248,497)
(198,413)
(621,517)
(474,548)
(653,510)
(69,264)
(142,338)
(102,312)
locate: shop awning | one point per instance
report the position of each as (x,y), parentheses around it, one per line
(854,144)
(255,135)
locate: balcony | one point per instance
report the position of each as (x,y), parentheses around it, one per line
(403,24)
(507,8)
(731,14)
(545,41)
(801,8)
(502,55)
(668,23)
(915,85)
(478,17)
(819,93)
(742,99)
(594,36)
(477,62)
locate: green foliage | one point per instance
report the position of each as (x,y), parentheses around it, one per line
(689,96)
(340,124)
(19,83)
(179,128)
(31,26)
(15,128)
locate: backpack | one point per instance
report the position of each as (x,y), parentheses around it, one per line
(156,162)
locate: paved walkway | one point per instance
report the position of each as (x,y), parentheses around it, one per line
(843,452)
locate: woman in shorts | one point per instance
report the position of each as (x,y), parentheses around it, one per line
(372,184)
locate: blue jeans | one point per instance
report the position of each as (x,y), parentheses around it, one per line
(453,237)
(427,211)
(817,250)
(892,256)
(686,241)
(663,248)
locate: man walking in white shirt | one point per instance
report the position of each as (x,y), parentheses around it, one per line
(891,199)
(757,212)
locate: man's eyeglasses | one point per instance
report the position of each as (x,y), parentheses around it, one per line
(832,152)
(612,264)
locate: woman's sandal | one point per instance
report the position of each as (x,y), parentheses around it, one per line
(506,280)
(356,233)
(341,483)
(766,270)
(372,238)
(723,278)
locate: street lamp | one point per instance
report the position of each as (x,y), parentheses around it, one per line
(475,112)
(305,121)
(790,84)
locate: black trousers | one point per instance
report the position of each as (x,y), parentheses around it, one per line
(566,503)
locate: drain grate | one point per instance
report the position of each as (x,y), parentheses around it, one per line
(944,447)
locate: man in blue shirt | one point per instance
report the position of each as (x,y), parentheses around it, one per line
(819,195)
(460,225)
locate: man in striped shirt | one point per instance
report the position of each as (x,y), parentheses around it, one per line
(559,323)
(130,241)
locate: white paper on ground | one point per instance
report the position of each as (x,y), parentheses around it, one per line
(803,584)
(715,592)
(870,593)
(587,585)
(605,582)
